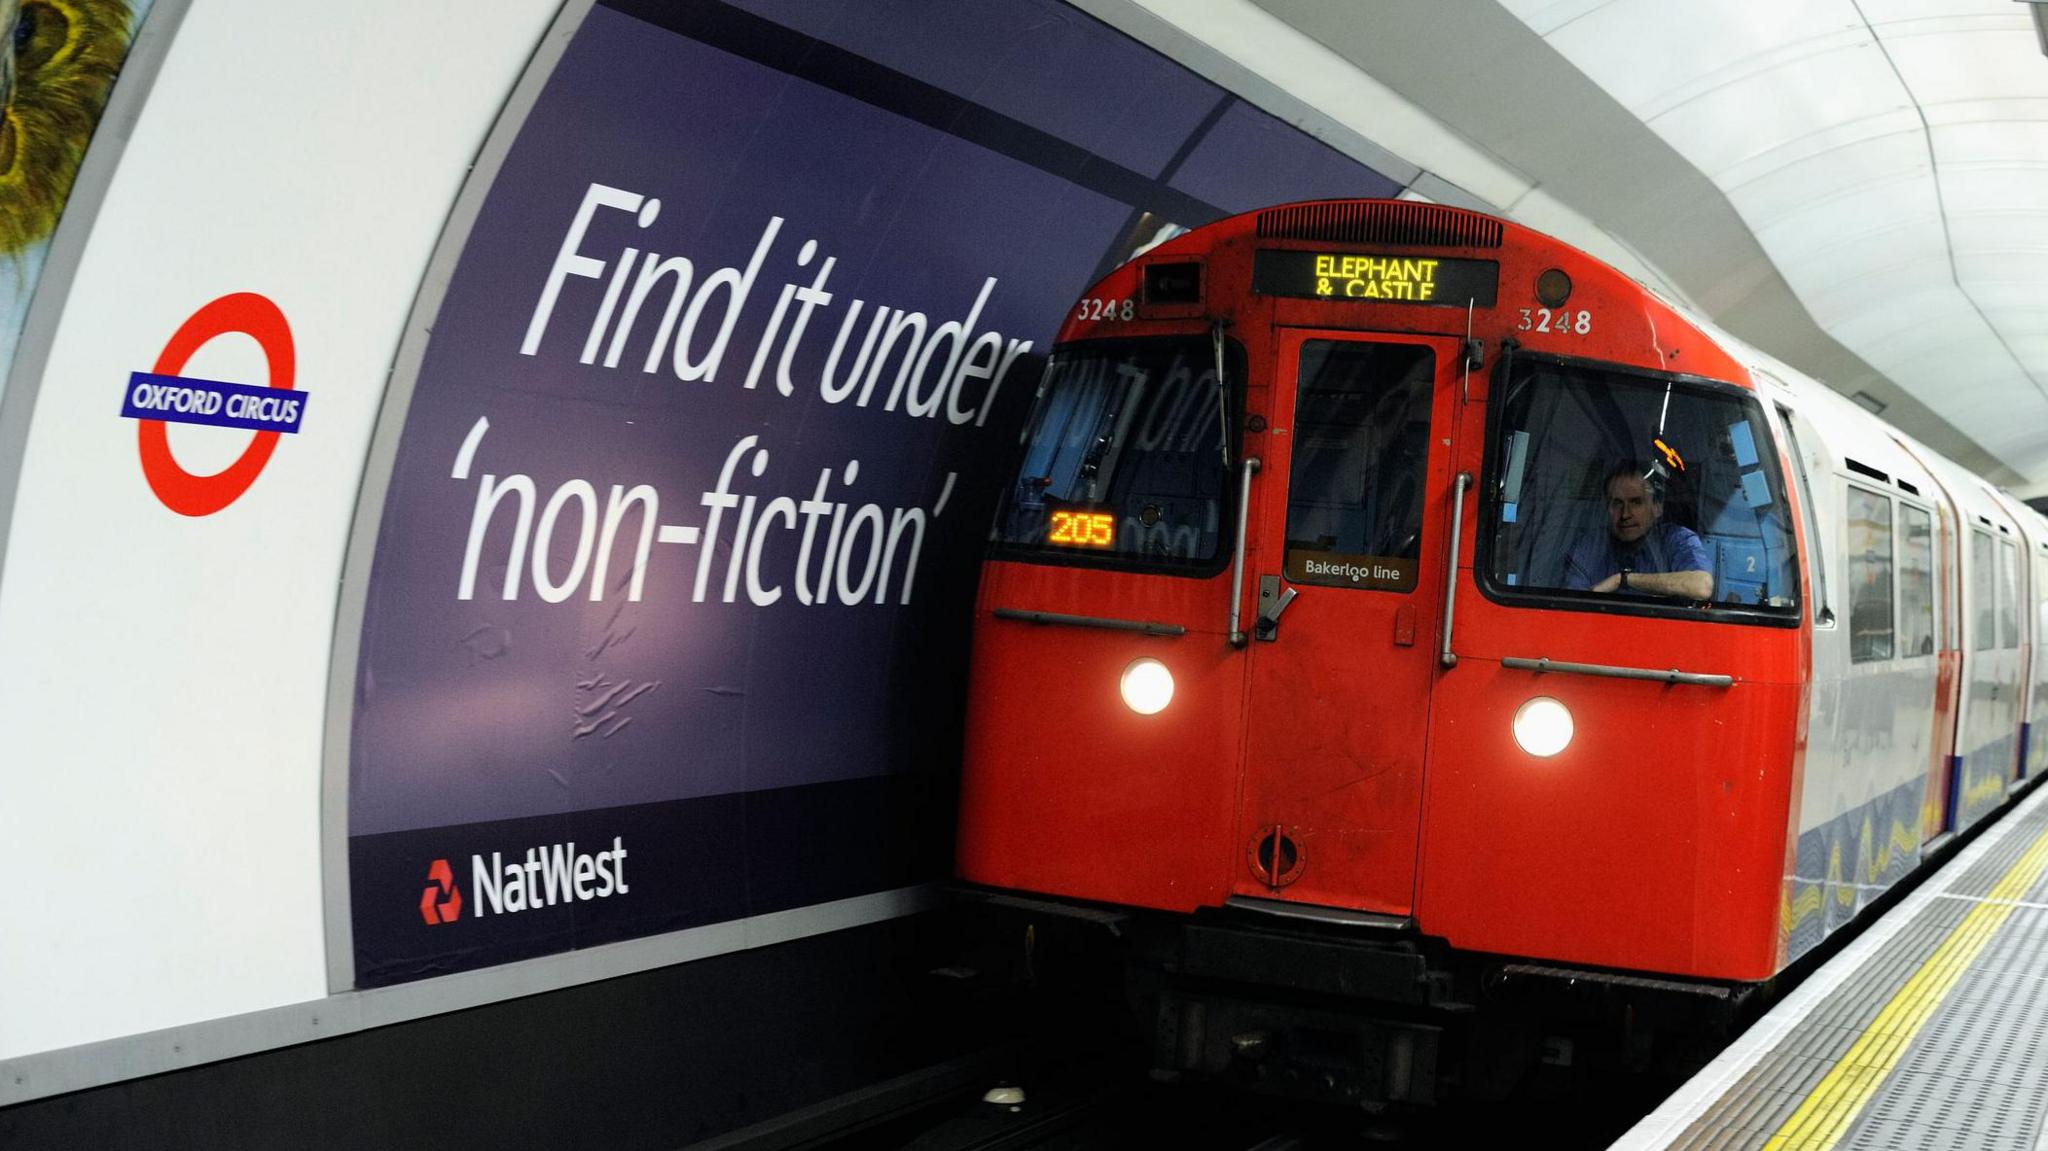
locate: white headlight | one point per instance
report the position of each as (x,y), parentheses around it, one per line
(1543,726)
(1147,686)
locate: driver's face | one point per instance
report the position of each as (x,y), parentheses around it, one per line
(1630,510)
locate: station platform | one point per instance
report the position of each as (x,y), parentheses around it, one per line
(1930,1030)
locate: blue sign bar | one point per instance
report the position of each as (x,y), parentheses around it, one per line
(184,400)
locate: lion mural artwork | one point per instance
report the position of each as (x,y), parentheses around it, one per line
(57,65)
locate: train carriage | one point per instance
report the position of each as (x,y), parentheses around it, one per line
(1990,641)
(2032,594)
(1384,579)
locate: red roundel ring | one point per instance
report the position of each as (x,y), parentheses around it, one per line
(181,491)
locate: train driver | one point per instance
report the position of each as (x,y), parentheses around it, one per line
(1640,552)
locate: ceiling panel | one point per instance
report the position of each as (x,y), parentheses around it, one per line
(1740,121)
(1879,212)
(1842,294)
(2015,298)
(1700,47)
(1547,16)
(2016,193)
(1990,58)
(1895,11)
(1865,148)
(1916,313)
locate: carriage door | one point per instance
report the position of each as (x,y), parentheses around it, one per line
(1352,508)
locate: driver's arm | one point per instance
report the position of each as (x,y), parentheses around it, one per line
(1687,584)
(1689,576)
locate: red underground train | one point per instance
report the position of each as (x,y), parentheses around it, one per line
(1398,611)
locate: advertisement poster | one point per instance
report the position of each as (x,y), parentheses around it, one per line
(668,617)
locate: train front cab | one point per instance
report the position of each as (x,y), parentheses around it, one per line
(1428,719)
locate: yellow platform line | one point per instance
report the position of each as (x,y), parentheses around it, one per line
(1824,1117)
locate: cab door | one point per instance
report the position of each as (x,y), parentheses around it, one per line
(1352,523)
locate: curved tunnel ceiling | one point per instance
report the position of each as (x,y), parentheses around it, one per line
(1857,187)
(1891,157)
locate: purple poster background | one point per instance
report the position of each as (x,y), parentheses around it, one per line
(713,746)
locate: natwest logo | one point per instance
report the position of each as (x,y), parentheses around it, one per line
(441,902)
(549,875)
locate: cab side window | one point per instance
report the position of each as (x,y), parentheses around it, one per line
(1816,562)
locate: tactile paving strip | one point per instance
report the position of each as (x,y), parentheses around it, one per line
(1761,1101)
(1987,871)
(1972,1078)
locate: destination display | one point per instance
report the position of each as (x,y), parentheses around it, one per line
(1376,277)
(1082,529)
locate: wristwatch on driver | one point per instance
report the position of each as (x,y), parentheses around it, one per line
(1624,580)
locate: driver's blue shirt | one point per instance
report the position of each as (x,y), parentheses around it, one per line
(1664,548)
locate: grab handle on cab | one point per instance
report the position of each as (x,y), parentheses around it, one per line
(1446,656)
(1244,503)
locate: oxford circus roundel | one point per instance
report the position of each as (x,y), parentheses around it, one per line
(202,495)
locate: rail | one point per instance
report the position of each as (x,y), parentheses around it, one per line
(1617,671)
(1062,619)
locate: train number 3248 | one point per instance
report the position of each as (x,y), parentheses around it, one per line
(1094,309)
(1545,320)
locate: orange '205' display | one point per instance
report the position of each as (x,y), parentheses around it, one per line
(1083,529)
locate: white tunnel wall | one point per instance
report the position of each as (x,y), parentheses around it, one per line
(163,678)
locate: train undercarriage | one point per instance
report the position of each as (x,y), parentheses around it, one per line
(1358,1011)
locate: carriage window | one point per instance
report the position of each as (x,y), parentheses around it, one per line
(2008,594)
(1609,488)
(1982,620)
(1361,450)
(1124,460)
(1916,581)
(1870,576)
